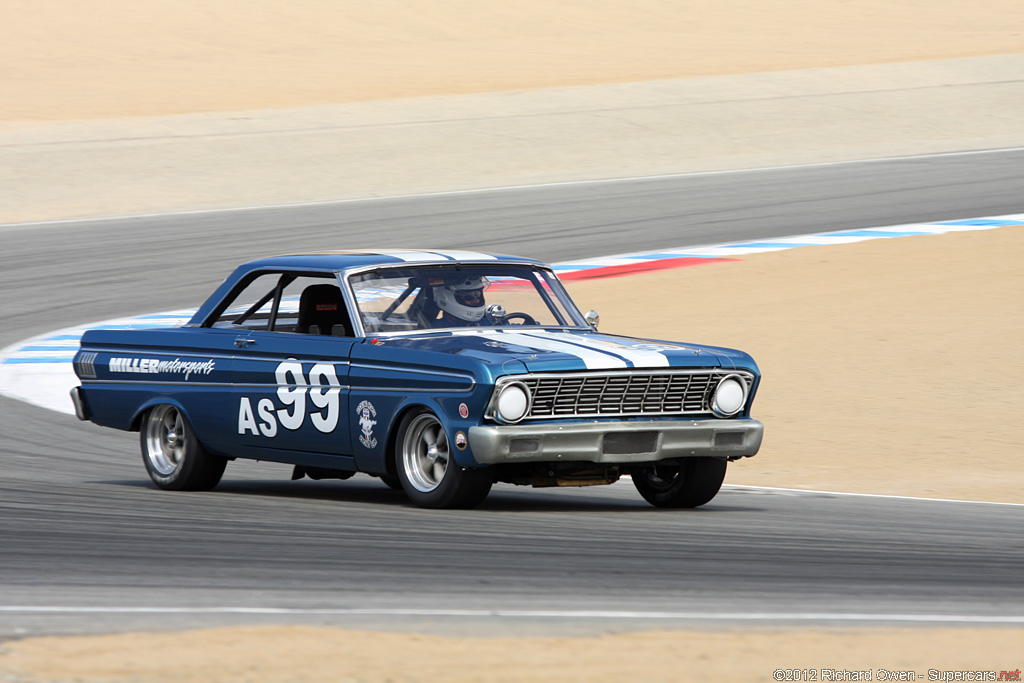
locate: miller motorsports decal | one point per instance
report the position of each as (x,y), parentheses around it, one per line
(155,366)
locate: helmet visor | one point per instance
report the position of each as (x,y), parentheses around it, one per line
(470,297)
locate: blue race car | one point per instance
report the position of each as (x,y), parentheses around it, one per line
(440,373)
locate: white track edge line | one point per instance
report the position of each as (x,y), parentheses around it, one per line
(502,188)
(744,487)
(531,614)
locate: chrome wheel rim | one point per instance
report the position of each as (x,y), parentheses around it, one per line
(165,439)
(425,453)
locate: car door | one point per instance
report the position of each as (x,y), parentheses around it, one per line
(292,392)
(289,375)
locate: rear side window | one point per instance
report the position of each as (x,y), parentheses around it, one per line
(270,299)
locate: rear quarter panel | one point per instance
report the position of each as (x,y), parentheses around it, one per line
(124,372)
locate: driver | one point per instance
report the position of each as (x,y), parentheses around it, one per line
(462,302)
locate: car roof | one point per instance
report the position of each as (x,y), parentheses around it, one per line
(334,261)
(355,258)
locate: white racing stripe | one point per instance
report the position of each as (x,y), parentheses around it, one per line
(415,256)
(594,360)
(439,256)
(640,354)
(467,256)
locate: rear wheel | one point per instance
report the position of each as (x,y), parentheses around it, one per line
(173,456)
(686,484)
(428,472)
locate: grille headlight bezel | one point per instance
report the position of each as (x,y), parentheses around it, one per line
(726,402)
(511,402)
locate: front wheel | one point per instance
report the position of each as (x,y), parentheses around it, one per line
(173,456)
(687,484)
(428,472)
(392,482)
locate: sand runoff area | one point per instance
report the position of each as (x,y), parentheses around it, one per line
(890,366)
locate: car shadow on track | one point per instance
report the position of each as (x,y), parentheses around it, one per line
(619,498)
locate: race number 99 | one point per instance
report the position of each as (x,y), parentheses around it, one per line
(322,389)
(323,393)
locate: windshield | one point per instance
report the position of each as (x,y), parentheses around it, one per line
(449,296)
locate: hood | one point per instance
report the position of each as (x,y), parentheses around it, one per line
(543,350)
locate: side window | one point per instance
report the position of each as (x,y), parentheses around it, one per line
(304,304)
(250,308)
(318,306)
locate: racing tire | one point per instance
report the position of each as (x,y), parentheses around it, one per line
(173,456)
(429,474)
(392,482)
(686,484)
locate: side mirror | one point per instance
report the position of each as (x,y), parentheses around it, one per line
(593,319)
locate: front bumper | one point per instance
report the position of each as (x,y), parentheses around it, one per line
(615,442)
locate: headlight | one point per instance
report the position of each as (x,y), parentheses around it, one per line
(512,402)
(730,396)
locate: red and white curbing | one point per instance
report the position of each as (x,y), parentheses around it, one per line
(39,370)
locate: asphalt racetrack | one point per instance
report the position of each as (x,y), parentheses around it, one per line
(89,545)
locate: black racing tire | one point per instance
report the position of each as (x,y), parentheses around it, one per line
(689,483)
(392,482)
(173,456)
(427,469)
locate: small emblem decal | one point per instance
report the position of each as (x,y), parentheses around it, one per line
(366,413)
(460,441)
(463,411)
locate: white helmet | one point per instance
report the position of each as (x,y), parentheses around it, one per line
(463,298)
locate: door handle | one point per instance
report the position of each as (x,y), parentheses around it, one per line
(244,341)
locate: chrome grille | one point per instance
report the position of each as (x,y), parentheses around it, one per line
(677,392)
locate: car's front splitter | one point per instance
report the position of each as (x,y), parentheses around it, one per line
(615,442)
